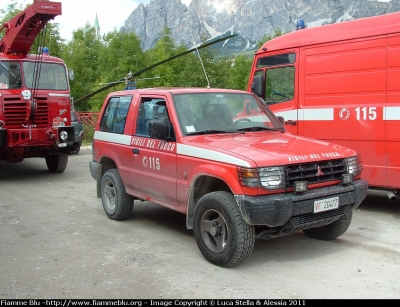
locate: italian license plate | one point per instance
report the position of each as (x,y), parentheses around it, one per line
(326,204)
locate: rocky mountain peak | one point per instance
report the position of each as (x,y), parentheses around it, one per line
(252,19)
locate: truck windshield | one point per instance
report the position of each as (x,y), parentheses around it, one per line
(51,76)
(223,112)
(10,75)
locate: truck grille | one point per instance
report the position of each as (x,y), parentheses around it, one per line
(316,172)
(16,112)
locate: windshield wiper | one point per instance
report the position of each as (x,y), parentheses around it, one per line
(258,128)
(212,132)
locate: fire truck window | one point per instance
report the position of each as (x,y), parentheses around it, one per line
(45,76)
(279,85)
(10,75)
(114,118)
(277,59)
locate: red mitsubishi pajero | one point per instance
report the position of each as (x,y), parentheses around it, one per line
(223,159)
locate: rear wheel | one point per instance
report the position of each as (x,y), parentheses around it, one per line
(57,163)
(117,203)
(222,235)
(330,231)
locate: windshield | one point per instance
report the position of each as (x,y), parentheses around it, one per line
(51,76)
(203,113)
(10,75)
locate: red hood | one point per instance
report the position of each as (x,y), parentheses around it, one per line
(271,148)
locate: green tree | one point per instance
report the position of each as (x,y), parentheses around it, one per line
(163,49)
(121,54)
(239,72)
(51,40)
(82,54)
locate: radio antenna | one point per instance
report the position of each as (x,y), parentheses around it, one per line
(208,82)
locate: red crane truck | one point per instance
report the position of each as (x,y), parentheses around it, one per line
(35,114)
(339,83)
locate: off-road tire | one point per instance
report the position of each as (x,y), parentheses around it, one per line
(57,163)
(117,203)
(221,233)
(330,231)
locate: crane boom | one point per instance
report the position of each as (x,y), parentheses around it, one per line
(22,30)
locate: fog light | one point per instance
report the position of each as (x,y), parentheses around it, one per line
(63,135)
(347,178)
(300,186)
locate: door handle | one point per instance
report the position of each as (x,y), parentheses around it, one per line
(290,122)
(135,150)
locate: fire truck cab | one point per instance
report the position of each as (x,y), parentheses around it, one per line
(339,83)
(35,114)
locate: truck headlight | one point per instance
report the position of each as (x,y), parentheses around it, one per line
(354,166)
(63,135)
(270,178)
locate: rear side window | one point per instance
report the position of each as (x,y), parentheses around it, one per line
(114,117)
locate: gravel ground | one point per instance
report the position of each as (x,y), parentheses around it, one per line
(57,242)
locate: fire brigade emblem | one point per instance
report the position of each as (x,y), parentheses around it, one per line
(344,113)
(319,172)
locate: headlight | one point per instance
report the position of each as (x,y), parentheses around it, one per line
(270,178)
(63,135)
(354,166)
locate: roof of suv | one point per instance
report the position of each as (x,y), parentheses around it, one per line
(177,90)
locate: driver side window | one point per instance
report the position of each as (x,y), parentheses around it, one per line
(279,85)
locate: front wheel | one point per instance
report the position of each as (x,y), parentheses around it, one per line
(221,233)
(57,163)
(117,203)
(330,231)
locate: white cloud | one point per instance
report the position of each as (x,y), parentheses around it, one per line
(76,13)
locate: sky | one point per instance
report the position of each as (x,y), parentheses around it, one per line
(76,13)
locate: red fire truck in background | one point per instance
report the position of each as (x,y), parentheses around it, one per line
(340,83)
(35,114)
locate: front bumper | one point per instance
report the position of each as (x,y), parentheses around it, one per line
(277,209)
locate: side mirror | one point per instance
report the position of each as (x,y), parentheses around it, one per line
(71,74)
(281,119)
(158,129)
(257,85)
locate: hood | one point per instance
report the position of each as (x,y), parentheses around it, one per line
(271,148)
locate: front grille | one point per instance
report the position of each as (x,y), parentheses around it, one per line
(16,112)
(42,113)
(316,172)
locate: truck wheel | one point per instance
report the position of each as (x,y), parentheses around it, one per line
(77,149)
(221,233)
(330,231)
(116,203)
(57,163)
